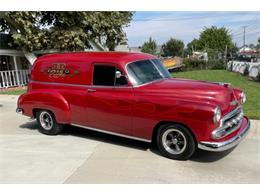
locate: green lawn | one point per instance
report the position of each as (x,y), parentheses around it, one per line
(13,92)
(251,88)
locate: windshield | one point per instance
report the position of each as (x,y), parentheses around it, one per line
(145,71)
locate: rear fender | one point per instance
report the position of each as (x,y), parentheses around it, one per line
(45,99)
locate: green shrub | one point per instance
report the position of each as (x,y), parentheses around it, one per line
(194,64)
(216,65)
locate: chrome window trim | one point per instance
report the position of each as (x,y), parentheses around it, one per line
(111,133)
(130,78)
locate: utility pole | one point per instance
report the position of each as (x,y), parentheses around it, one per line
(244,36)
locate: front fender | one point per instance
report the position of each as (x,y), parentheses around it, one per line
(153,110)
(198,116)
(48,100)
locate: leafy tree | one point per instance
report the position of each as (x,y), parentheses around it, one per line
(173,47)
(149,46)
(65,30)
(215,39)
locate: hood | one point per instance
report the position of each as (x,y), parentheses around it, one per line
(212,93)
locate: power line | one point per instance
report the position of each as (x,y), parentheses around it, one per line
(248,32)
(253,20)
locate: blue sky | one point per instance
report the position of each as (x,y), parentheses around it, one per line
(188,25)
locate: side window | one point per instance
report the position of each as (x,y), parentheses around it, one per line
(104,75)
(108,76)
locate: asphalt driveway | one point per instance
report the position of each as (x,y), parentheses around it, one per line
(82,156)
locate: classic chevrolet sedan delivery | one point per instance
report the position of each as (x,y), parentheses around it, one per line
(134,96)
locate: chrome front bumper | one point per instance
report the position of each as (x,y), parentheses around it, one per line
(225,145)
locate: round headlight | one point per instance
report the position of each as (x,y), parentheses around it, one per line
(243,98)
(217,115)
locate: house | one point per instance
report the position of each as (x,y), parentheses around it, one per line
(14,66)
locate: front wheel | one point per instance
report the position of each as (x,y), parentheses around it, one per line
(47,122)
(175,141)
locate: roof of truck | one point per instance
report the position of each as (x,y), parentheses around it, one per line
(113,57)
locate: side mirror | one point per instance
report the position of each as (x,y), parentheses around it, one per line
(118,74)
(120,79)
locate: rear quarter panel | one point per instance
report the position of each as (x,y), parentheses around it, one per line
(48,100)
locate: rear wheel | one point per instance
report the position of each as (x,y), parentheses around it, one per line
(175,141)
(47,122)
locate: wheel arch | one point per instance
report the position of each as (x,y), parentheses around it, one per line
(46,100)
(34,111)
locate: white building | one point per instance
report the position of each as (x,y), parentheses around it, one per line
(14,67)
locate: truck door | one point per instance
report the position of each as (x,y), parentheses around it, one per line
(109,100)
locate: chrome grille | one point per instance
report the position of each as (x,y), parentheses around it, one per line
(229,123)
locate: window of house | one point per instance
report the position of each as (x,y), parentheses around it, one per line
(106,76)
(6,63)
(22,63)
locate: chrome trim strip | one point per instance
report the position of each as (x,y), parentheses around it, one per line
(79,85)
(112,133)
(230,114)
(58,83)
(105,86)
(225,145)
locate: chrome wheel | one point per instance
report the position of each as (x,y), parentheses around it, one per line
(46,120)
(174,141)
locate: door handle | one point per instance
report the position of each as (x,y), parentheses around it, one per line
(91,90)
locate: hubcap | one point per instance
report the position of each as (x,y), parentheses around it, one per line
(46,120)
(174,141)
